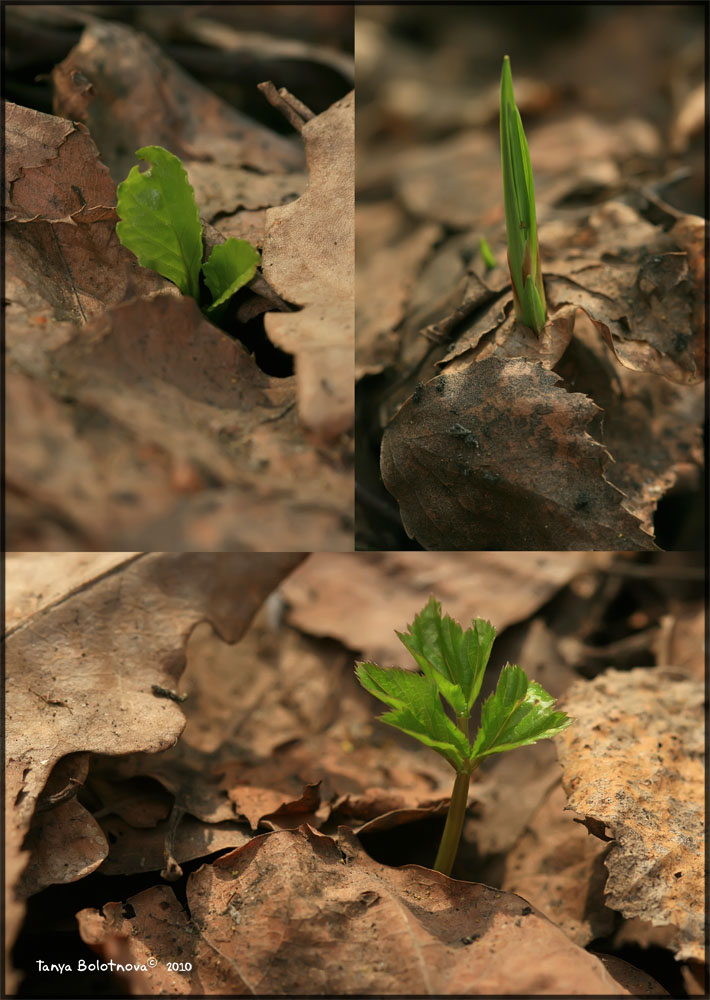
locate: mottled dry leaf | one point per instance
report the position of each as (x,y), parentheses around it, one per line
(384,282)
(64,261)
(499,457)
(557,865)
(168,435)
(135,851)
(142,98)
(362,598)
(297,912)
(308,259)
(80,669)
(642,287)
(633,760)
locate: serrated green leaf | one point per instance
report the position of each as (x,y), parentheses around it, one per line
(230,266)
(453,659)
(416,710)
(518,713)
(160,223)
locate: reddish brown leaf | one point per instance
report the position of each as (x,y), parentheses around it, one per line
(297,912)
(497,456)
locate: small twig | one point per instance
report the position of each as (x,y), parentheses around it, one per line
(52,801)
(293,110)
(172,870)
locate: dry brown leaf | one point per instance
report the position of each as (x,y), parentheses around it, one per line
(144,99)
(298,912)
(498,456)
(135,851)
(80,668)
(308,259)
(362,598)
(557,865)
(384,282)
(64,261)
(633,761)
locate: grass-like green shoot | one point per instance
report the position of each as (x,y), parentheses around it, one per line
(520,220)
(487,254)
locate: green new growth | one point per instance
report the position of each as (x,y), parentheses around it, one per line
(520,220)
(160,224)
(453,663)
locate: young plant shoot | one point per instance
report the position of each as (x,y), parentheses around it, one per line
(160,224)
(452,663)
(520,221)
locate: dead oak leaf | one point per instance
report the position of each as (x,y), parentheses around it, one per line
(78,680)
(308,259)
(499,457)
(298,912)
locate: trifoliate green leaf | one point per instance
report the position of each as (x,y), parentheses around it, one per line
(230,266)
(416,709)
(453,659)
(518,713)
(160,223)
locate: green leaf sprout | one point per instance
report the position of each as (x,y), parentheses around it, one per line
(520,220)
(453,662)
(160,224)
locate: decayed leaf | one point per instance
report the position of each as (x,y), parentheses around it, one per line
(138,850)
(145,99)
(359,598)
(80,671)
(633,761)
(642,287)
(557,865)
(308,259)
(497,456)
(64,262)
(297,912)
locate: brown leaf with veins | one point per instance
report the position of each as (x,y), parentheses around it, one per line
(497,456)
(308,259)
(143,98)
(297,912)
(80,669)
(633,760)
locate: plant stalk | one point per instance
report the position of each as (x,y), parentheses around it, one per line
(449,845)
(451,836)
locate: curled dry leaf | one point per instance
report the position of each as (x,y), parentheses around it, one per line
(298,912)
(77,680)
(144,99)
(308,259)
(634,762)
(497,456)
(641,286)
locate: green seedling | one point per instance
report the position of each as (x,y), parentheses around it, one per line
(487,254)
(160,224)
(452,663)
(520,221)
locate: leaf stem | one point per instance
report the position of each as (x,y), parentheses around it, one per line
(448,848)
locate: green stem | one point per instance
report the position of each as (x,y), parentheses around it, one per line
(451,836)
(454,825)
